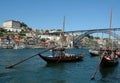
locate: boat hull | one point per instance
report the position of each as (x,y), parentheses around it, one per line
(94,52)
(59,59)
(108,63)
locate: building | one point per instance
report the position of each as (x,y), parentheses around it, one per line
(11,24)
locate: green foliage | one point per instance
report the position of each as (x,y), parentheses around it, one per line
(89,36)
(2,32)
(29,37)
(22,34)
(59,29)
(43,39)
(63,38)
(22,24)
(97,37)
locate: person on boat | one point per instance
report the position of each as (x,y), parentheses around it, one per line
(112,55)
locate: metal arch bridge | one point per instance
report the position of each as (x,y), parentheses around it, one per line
(105,29)
(87,32)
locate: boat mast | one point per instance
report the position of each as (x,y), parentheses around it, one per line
(62,33)
(63,24)
(110,29)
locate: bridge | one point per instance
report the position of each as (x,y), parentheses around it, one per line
(87,32)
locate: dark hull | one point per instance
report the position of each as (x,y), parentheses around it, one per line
(59,59)
(105,72)
(108,63)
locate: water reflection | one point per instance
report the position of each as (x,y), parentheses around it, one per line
(108,75)
(105,72)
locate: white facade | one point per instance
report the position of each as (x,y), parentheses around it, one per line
(13,29)
(54,38)
(11,23)
(30,34)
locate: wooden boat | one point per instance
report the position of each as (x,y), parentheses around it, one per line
(94,52)
(108,59)
(59,55)
(108,56)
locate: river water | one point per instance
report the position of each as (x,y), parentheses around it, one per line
(36,70)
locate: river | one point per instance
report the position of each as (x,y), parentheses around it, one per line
(36,70)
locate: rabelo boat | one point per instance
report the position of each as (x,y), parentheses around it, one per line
(59,55)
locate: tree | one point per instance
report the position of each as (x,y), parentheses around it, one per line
(89,36)
(43,40)
(22,34)
(59,29)
(2,32)
(22,24)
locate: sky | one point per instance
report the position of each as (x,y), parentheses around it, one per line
(49,14)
